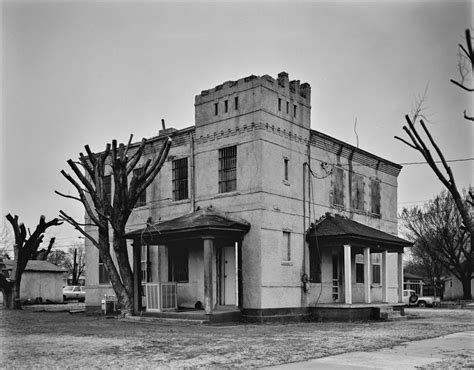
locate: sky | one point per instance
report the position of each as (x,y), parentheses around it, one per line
(84,72)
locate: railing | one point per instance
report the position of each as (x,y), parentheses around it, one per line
(161,296)
(335,289)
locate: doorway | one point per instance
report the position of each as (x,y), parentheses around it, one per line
(228,276)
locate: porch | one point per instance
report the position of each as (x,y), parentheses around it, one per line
(197,267)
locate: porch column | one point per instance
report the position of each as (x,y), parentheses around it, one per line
(347,275)
(367,298)
(238,248)
(400,277)
(384,277)
(137,280)
(208,243)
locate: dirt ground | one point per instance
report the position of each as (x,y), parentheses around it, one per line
(51,339)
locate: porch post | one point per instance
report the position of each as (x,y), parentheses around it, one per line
(367,298)
(400,277)
(384,277)
(208,243)
(137,281)
(347,275)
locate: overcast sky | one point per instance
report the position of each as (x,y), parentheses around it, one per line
(84,72)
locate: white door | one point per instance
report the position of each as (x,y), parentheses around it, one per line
(228,270)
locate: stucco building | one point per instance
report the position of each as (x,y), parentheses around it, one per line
(257,211)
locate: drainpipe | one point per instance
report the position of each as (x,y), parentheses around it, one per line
(193,184)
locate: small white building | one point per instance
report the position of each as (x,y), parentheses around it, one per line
(256,211)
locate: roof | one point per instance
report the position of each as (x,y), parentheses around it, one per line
(203,222)
(339,230)
(34,265)
(408,275)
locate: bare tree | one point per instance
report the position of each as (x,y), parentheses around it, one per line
(465,64)
(24,249)
(103,212)
(42,254)
(440,245)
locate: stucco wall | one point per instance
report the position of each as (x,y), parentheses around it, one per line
(47,285)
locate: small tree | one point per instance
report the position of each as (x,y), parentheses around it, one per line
(24,249)
(102,211)
(440,243)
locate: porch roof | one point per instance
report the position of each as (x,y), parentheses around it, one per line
(205,222)
(335,230)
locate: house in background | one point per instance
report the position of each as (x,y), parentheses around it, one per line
(41,281)
(453,288)
(257,213)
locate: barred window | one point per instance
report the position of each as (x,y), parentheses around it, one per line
(141,201)
(180,179)
(144,266)
(227,169)
(357,192)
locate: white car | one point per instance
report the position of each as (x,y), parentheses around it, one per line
(74,292)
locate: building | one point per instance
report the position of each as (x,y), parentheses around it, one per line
(255,210)
(41,281)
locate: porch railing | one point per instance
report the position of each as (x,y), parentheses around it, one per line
(161,296)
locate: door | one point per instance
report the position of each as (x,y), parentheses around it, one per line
(335,278)
(228,269)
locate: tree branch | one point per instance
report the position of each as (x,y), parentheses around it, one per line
(68,196)
(64,216)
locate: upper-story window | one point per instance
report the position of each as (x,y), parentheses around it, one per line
(286,162)
(338,186)
(287,107)
(227,169)
(236,102)
(107,183)
(226,106)
(216,109)
(357,192)
(286,246)
(141,201)
(294,110)
(375,196)
(180,179)
(279,104)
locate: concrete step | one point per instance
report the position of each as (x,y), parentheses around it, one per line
(389,314)
(164,320)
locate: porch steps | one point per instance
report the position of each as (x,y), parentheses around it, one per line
(387,313)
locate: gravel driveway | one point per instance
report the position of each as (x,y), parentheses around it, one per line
(52,339)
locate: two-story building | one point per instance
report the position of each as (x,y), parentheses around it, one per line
(256,211)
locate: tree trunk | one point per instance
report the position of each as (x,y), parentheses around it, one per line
(16,294)
(466,288)
(121,253)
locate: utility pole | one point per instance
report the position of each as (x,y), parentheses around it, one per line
(74,269)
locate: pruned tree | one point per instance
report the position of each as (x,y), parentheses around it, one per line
(103,212)
(423,142)
(440,245)
(465,64)
(42,254)
(24,249)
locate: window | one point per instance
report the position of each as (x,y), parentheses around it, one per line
(285,165)
(287,107)
(108,188)
(279,104)
(103,273)
(180,179)
(144,266)
(226,106)
(178,270)
(294,110)
(216,109)
(286,246)
(357,192)
(375,259)
(236,102)
(141,201)
(338,186)
(315,265)
(359,260)
(375,196)
(227,169)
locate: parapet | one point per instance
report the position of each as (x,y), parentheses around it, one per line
(300,92)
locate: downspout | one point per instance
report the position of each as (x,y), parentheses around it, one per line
(193,183)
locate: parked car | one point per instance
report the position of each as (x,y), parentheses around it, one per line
(411,299)
(74,292)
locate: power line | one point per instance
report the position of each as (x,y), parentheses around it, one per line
(448,161)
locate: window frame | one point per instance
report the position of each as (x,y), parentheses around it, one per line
(286,246)
(178,264)
(141,201)
(376,265)
(227,169)
(180,185)
(338,181)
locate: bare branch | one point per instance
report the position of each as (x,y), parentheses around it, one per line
(406,142)
(136,157)
(68,196)
(462,86)
(64,216)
